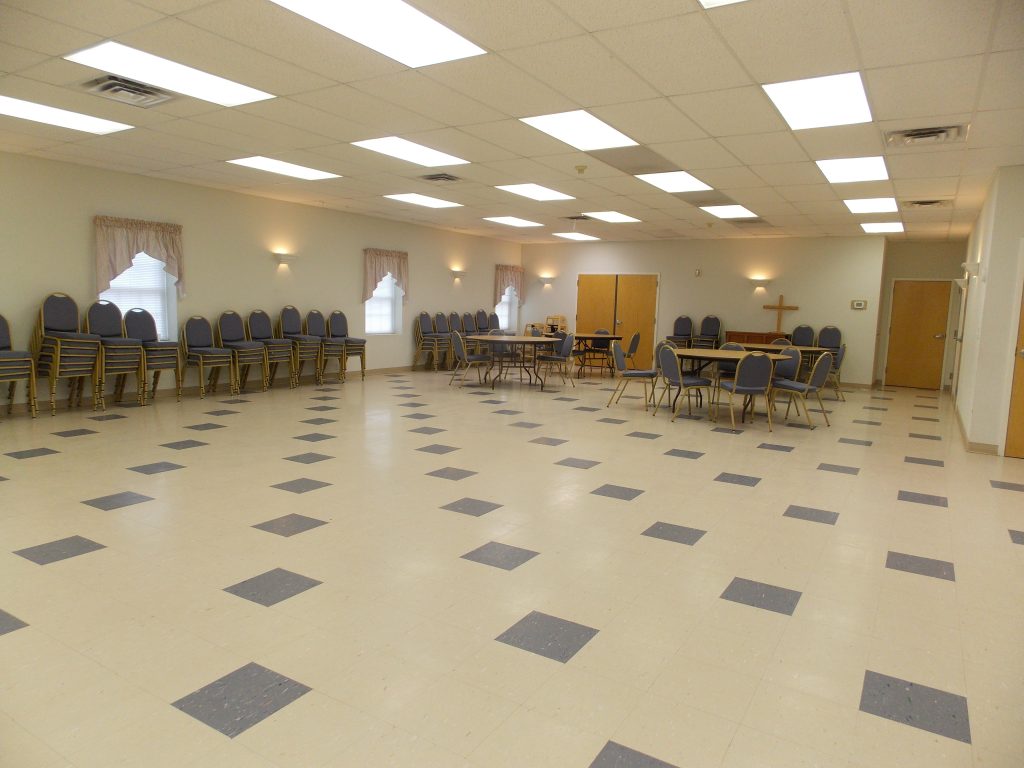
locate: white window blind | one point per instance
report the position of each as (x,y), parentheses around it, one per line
(145,285)
(384,308)
(507,310)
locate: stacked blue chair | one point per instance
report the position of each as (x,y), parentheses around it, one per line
(64,352)
(119,355)
(803,336)
(682,331)
(259,328)
(330,348)
(197,349)
(304,346)
(710,331)
(16,365)
(246,353)
(158,355)
(337,328)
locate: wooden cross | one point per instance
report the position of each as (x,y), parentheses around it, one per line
(779,309)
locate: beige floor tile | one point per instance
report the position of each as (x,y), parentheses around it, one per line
(532,738)
(754,749)
(675,733)
(584,700)
(876,740)
(803,719)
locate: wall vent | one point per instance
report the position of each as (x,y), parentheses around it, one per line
(924,204)
(127,91)
(440,177)
(922,137)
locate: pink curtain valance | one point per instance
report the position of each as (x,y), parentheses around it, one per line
(378,263)
(118,241)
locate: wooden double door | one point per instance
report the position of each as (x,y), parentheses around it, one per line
(621,304)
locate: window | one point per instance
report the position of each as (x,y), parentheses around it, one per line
(145,285)
(508,310)
(384,308)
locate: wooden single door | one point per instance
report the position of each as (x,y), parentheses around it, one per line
(595,303)
(636,309)
(1015,425)
(917,333)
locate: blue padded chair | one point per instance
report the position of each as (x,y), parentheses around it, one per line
(197,348)
(597,353)
(482,324)
(786,370)
(682,331)
(64,352)
(119,355)
(726,369)
(813,386)
(634,345)
(246,353)
(337,328)
(314,324)
(465,360)
(493,323)
(627,375)
(304,346)
(259,328)
(560,359)
(16,365)
(430,342)
(803,336)
(834,371)
(753,378)
(469,324)
(710,330)
(159,355)
(672,378)
(831,338)
(782,341)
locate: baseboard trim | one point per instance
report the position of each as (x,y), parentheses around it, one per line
(986,449)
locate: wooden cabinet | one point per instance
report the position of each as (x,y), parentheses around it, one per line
(753,337)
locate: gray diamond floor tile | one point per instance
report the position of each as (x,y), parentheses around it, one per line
(502,556)
(107,417)
(438,449)
(205,427)
(916,705)
(872,408)
(325,398)
(922,498)
(62,549)
(617,492)
(923,566)
(472,507)
(507,412)
(1005,486)
(407,395)
(547,636)
(156,468)
(924,418)
(525,424)
(729,477)
(929,407)
(31,453)
(920,436)
(290,525)
(869,423)
(451,473)
(760,595)
(727,431)
(876,397)
(564,399)
(9,623)
(238,701)
(617,756)
(839,468)
(181,445)
(776,447)
(314,437)
(272,587)
(308,458)
(235,401)
(800,425)
(222,412)
(644,435)
(677,533)
(1017,537)
(679,453)
(321,408)
(427,430)
(319,421)
(418,416)
(75,432)
(577,463)
(493,402)
(117,500)
(301,485)
(548,441)
(925,462)
(587,408)
(854,441)
(411,405)
(811,514)
(608,420)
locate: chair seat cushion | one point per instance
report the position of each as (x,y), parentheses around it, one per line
(551,358)
(158,345)
(479,358)
(639,374)
(730,386)
(792,386)
(679,338)
(437,335)
(14,354)
(120,341)
(302,337)
(352,341)
(243,345)
(274,342)
(696,381)
(73,335)
(208,351)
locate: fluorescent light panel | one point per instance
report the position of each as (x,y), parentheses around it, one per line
(819,102)
(40,113)
(164,73)
(611,216)
(674,181)
(285,169)
(535,192)
(847,169)
(580,129)
(872,205)
(511,221)
(390,27)
(575,236)
(729,211)
(717,3)
(424,200)
(882,227)
(404,149)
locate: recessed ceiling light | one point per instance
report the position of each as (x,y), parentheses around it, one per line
(882,226)
(39,113)
(535,192)
(391,27)
(424,200)
(580,129)
(511,221)
(819,102)
(613,216)
(872,205)
(139,65)
(411,151)
(674,181)
(285,169)
(575,236)
(848,169)
(717,3)
(729,211)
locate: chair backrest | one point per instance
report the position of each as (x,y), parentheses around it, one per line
(458,346)
(710,326)
(837,361)
(498,349)
(260,326)
(733,345)
(754,370)
(230,327)
(568,342)
(455,322)
(441,323)
(830,337)
(468,323)
(315,323)
(634,343)
(619,356)
(782,341)
(104,319)
(668,362)
(198,332)
(425,325)
(535,331)
(5,334)
(291,320)
(562,334)
(683,326)
(139,324)
(788,368)
(337,324)
(481,320)
(803,336)
(820,371)
(493,322)
(59,313)
(601,343)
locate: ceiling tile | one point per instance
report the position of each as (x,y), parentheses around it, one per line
(1004,127)
(650,121)
(107,18)
(702,153)
(26,30)
(274,133)
(765,147)
(732,111)
(800,192)
(13,139)
(498,83)
(461,144)
(822,207)
(298,115)
(413,90)
(500,26)
(517,137)
(1004,81)
(570,162)
(917,90)
(988,160)
(856,189)
(1009,31)
(926,189)
(381,117)
(601,14)
(841,141)
(737,176)
(924,164)
(789,173)
(634,160)
(14,58)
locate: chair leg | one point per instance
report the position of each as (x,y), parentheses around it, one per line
(766,409)
(619,385)
(822,406)
(732,415)
(156,379)
(202,381)
(10,398)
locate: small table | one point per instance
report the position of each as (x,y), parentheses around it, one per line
(722,355)
(522,342)
(584,342)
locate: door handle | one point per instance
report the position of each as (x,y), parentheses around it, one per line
(618,322)
(939,336)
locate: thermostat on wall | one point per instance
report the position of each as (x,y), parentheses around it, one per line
(858,304)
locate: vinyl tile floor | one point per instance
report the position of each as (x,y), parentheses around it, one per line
(506,578)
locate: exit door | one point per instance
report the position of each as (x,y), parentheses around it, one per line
(621,304)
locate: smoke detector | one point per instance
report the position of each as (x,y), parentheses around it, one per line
(925,137)
(127,91)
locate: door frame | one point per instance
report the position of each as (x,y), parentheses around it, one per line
(1004,406)
(944,382)
(657,297)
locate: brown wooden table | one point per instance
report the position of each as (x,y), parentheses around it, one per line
(522,342)
(772,347)
(723,355)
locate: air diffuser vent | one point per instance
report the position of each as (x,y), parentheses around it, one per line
(127,91)
(440,177)
(578,217)
(919,204)
(917,137)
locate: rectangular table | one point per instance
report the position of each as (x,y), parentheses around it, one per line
(722,355)
(522,342)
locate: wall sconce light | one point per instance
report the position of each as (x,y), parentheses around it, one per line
(457,273)
(283,258)
(547,279)
(759,282)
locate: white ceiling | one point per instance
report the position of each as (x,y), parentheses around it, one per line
(682,81)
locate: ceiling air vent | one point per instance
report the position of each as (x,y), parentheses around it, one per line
(127,91)
(922,204)
(921,137)
(440,177)
(578,217)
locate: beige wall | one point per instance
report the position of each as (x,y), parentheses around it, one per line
(46,232)
(820,275)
